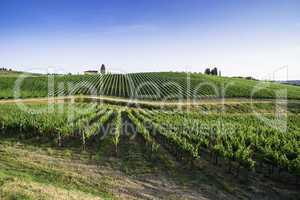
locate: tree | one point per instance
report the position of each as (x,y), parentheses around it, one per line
(214,71)
(102,70)
(207,71)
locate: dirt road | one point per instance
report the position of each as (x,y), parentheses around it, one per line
(143,102)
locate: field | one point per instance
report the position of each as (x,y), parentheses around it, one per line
(107,147)
(151,86)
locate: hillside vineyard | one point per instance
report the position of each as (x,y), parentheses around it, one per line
(151,86)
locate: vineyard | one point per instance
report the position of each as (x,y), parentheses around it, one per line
(242,139)
(238,141)
(152,86)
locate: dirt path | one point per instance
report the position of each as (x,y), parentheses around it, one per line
(142,102)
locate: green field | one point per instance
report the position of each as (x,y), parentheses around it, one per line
(152,86)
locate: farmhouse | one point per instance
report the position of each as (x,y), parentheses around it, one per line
(91,72)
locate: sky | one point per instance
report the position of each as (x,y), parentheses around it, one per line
(258,38)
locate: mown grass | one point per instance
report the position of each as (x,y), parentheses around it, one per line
(24,166)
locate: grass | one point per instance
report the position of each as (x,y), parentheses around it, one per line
(18,189)
(26,170)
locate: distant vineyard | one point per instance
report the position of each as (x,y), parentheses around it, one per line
(241,141)
(154,86)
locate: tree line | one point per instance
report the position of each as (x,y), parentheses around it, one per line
(213,71)
(5,69)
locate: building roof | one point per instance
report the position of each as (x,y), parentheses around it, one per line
(91,71)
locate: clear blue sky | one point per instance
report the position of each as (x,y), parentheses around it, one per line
(241,37)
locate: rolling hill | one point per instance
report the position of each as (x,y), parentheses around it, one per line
(13,73)
(151,86)
(294,82)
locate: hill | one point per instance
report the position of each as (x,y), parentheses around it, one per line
(294,82)
(13,73)
(151,86)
